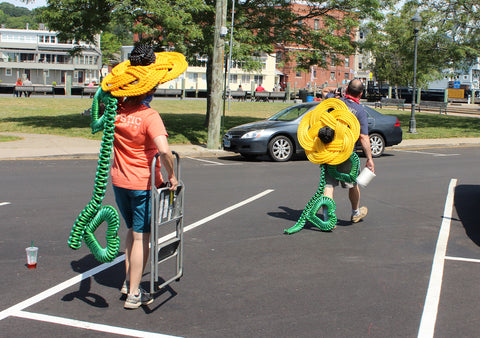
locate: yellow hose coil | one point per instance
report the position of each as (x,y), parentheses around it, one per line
(335,114)
(126,80)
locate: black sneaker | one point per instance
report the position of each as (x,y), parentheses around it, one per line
(135,301)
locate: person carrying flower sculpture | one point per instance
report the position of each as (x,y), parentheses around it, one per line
(328,134)
(139,135)
(136,133)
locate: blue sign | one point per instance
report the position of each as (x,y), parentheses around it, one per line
(456,84)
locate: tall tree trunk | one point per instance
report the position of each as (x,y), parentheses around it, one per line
(215,115)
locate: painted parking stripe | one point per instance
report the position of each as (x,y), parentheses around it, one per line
(205,161)
(425,153)
(17,309)
(89,326)
(4,203)
(430,309)
(462,259)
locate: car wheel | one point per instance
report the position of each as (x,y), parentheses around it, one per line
(377,144)
(280,148)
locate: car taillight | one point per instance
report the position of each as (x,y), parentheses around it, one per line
(397,124)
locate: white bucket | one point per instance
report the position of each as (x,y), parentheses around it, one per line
(365,177)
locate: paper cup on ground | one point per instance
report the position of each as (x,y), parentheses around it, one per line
(365,177)
(32,253)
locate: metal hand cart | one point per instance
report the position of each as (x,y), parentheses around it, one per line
(166,248)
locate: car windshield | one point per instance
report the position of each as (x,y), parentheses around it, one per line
(290,113)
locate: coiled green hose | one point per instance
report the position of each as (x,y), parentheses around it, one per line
(94,214)
(319,200)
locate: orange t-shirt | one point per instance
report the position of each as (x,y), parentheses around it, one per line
(134,149)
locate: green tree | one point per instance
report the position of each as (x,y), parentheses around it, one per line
(110,46)
(448,41)
(188,26)
(17,17)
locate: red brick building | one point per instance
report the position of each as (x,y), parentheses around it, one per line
(333,75)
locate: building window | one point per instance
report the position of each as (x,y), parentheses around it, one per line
(314,73)
(332,75)
(258,78)
(361,35)
(245,78)
(360,65)
(347,62)
(316,24)
(278,57)
(233,78)
(347,75)
(8,72)
(298,73)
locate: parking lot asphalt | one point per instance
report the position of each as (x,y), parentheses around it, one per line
(243,276)
(45,146)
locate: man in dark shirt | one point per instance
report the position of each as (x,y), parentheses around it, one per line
(352,100)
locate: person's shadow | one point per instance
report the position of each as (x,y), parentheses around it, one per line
(466,202)
(112,277)
(293,215)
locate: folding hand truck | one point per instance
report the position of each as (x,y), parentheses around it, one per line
(167,215)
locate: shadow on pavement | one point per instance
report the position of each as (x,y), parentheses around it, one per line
(466,202)
(112,277)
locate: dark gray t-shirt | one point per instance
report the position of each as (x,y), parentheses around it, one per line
(360,112)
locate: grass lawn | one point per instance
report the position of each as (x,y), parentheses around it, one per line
(185,119)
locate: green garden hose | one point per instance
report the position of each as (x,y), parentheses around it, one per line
(319,200)
(94,213)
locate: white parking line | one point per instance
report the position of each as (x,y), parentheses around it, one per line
(90,326)
(462,259)
(205,161)
(17,310)
(424,153)
(430,309)
(4,203)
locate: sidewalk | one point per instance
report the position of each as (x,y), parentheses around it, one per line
(50,146)
(44,146)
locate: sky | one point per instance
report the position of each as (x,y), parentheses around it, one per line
(18,3)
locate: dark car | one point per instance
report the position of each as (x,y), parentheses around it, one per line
(277,135)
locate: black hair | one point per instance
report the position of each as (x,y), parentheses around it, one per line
(142,55)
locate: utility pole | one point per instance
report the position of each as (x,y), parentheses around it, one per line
(213,140)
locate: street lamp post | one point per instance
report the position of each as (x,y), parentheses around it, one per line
(417,22)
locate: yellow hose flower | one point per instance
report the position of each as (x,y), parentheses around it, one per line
(126,80)
(335,114)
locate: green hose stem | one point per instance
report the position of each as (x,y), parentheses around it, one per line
(319,200)
(94,214)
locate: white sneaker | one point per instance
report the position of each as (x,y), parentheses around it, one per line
(135,301)
(362,214)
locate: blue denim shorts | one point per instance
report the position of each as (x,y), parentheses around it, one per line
(135,208)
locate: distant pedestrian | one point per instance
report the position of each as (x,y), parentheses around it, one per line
(18,93)
(27,82)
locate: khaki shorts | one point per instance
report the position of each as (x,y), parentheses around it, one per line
(344,167)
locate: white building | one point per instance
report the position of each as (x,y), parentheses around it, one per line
(195,77)
(40,56)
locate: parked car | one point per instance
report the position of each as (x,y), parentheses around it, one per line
(277,135)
